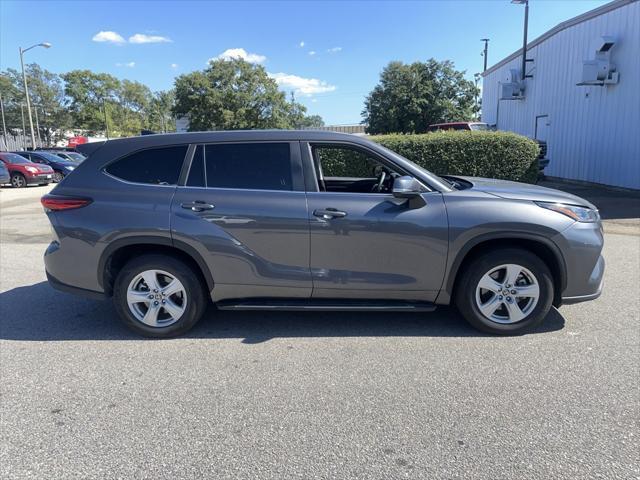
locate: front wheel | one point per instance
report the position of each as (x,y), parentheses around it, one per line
(159,296)
(57,177)
(18,180)
(505,291)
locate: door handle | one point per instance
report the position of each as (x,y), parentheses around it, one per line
(329,213)
(198,206)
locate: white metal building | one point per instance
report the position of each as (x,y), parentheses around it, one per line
(581,95)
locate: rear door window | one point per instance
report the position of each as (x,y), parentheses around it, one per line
(256,166)
(157,166)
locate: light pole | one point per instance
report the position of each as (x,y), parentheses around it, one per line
(524,40)
(106,124)
(485,52)
(26,89)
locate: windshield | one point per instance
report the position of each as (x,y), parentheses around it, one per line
(479,126)
(14,158)
(75,156)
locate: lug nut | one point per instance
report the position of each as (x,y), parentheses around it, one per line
(155,290)
(513,292)
(163,302)
(155,303)
(500,297)
(508,299)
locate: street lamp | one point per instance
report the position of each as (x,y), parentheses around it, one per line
(26,89)
(524,41)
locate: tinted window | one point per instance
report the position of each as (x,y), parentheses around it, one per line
(196,172)
(261,166)
(156,166)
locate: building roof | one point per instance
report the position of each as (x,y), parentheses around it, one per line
(560,27)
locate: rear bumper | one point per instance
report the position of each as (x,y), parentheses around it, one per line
(63,287)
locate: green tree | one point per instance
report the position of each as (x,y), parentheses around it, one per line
(231,95)
(160,111)
(411,97)
(88,94)
(46,92)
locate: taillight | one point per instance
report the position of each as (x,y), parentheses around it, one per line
(59,202)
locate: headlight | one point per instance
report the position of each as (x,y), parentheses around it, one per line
(31,169)
(579,214)
(69,168)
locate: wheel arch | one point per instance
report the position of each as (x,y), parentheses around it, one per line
(540,246)
(116,255)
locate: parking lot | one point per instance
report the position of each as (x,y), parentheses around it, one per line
(315,395)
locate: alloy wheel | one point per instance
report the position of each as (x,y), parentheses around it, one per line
(18,181)
(507,293)
(156,298)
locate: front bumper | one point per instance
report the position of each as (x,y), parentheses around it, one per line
(44,178)
(597,279)
(581,246)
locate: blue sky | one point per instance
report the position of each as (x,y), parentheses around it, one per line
(331,53)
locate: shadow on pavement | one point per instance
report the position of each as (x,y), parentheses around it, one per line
(39,313)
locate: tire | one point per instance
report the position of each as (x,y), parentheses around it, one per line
(57,177)
(139,316)
(18,180)
(513,314)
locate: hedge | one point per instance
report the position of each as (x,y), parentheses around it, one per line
(501,155)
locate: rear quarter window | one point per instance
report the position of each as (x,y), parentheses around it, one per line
(156,166)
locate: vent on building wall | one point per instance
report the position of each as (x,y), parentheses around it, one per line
(600,71)
(513,88)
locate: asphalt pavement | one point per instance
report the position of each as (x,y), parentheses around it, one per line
(311,395)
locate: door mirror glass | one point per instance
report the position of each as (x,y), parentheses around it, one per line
(406,187)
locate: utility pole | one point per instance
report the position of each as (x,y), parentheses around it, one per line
(485,53)
(476,77)
(26,89)
(4,123)
(24,138)
(106,125)
(35,110)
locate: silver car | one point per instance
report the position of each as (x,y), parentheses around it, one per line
(288,220)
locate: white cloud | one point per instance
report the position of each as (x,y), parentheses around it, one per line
(301,85)
(334,50)
(174,65)
(127,64)
(107,36)
(241,53)
(301,44)
(312,53)
(144,38)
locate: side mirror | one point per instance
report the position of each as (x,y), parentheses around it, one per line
(406,187)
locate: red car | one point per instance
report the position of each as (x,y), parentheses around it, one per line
(23,172)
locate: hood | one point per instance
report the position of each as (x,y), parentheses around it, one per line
(524,191)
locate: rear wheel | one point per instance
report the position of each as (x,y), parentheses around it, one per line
(505,291)
(18,180)
(159,296)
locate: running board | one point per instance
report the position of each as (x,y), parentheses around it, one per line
(325,305)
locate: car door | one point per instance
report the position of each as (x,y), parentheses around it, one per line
(242,206)
(368,244)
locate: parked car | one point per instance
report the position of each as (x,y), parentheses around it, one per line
(481,126)
(543,161)
(5,177)
(283,220)
(60,166)
(24,172)
(66,155)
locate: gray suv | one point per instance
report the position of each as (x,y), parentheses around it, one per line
(286,220)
